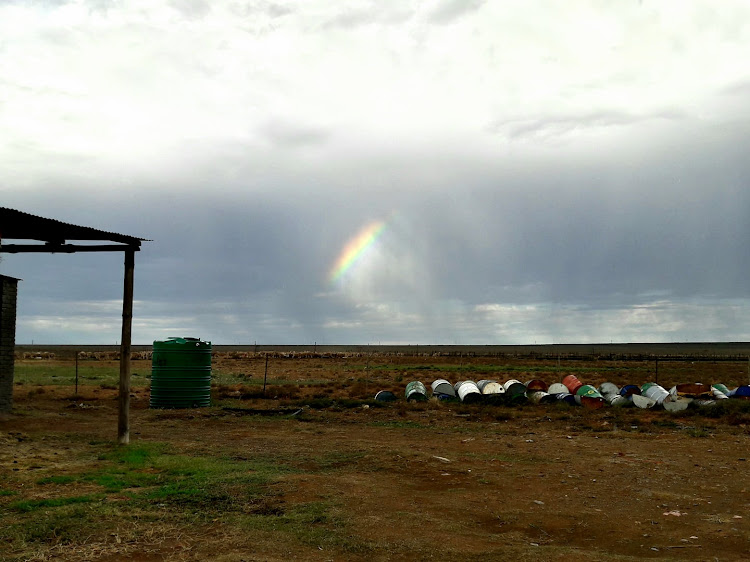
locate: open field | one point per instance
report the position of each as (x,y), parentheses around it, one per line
(698,350)
(314,469)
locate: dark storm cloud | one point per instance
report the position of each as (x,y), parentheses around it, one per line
(600,232)
(253,263)
(603,233)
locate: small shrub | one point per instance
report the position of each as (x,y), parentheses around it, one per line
(318,402)
(287,391)
(697,432)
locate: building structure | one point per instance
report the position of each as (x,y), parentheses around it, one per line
(55,237)
(8,294)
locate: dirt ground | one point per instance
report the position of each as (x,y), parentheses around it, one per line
(420,481)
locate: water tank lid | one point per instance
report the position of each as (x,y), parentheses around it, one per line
(182,341)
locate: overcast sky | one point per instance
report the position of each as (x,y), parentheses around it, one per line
(549,172)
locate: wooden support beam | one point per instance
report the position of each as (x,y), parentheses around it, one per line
(123,422)
(66,248)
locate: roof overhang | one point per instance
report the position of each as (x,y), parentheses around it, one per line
(56,235)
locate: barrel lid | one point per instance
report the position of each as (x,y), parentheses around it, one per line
(629,390)
(493,387)
(536,384)
(642,401)
(558,388)
(608,388)
(588,390)
(676,403)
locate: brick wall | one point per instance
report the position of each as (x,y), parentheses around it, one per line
(8,294)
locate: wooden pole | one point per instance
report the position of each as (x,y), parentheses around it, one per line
(77,352)
(123,421)
(265,376)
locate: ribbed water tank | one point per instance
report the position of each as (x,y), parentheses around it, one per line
(181,373)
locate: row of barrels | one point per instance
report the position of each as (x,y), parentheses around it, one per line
(572,391)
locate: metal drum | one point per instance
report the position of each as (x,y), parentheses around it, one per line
(691,389)
(385,396)
(561,393)
(492,391)
(572,382)
(558,388)
(490,387)
(654,391)
(588,396)
(719,391)
(415,391)
(663,398)
(642,402)
(468,392)
(612,395)
(629,390)
(515,391)
(540,397)
(536,385)
(442,386)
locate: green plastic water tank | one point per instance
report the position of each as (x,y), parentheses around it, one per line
(181,373)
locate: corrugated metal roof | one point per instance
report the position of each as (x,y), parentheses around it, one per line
(24,226)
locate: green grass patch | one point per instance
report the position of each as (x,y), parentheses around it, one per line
(137,456)
(71,523)
(60,479)
(45,373)
(153,482)
(31,505)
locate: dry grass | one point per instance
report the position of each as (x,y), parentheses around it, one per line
(316,470)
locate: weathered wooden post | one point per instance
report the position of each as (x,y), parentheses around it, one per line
(123,421)
(265,376)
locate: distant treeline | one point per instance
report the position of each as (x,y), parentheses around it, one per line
(698,351)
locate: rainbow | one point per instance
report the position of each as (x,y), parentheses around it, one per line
(356,247)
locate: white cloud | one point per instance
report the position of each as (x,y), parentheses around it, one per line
(140,78)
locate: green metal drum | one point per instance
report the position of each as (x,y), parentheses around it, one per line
(181,373)
(416,390)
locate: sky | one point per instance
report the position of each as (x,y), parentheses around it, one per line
(403,172)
